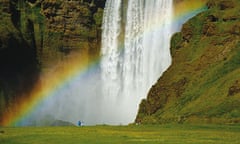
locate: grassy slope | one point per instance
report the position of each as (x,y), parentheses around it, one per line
(178,134)
(203,83)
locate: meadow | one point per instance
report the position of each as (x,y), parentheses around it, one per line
(145,134)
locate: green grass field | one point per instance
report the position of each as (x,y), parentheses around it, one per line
(151,134)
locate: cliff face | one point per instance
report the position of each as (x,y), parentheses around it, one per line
(70,26)
(55,28)
(37,34)
(203,83)
(18,63)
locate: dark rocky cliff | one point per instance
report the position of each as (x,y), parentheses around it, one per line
(203,83)
(18,63)
(70,26)
(37,34)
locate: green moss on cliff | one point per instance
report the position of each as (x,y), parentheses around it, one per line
(202,84)
(36,35)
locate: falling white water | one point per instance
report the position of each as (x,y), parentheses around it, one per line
(135,52)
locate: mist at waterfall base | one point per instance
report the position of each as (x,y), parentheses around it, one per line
(135,52)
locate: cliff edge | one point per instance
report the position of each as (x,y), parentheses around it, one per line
(203,83)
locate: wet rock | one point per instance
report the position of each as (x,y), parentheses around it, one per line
(226,4)
(211,4)
(222,5)
(187,32)
(212,18)
(235,89)
(235,29)
(209,29)
(230,18)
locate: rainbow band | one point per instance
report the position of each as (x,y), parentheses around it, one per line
(49,83)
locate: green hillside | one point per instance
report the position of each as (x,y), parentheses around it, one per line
(203,83)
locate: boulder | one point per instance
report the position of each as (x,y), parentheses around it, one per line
(234,89)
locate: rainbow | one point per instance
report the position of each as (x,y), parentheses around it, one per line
(75,65)
(187,8)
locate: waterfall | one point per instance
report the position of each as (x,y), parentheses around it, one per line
(135,52)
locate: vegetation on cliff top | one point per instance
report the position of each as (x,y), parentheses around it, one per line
(203,83)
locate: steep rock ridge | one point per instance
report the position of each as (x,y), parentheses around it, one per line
(202,84)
